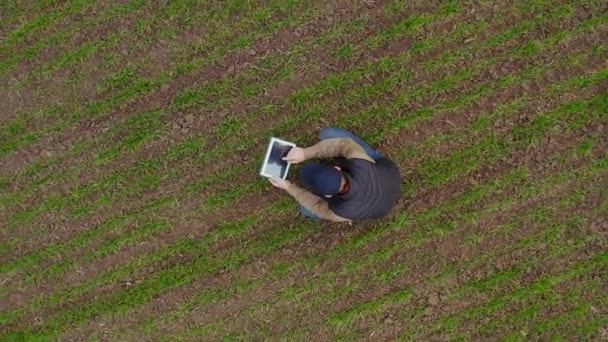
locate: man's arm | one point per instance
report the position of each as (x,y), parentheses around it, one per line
(314,203)
(337,147)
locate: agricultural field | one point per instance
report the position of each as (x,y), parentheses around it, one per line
(132,133)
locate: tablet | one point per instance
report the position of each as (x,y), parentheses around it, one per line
(274,166)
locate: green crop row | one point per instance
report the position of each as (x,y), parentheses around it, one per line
(42,21)
(158,283)
(112,151)
(523,320)
(384,254)
(181,247)
(183,15)
(61,36)
(581,322)
(551,233)
(544,284)
(146,121)
(399,122)
(56,203)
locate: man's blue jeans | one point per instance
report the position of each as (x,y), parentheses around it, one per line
(334,132)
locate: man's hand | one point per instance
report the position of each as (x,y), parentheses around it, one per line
(280,183)
(295,155)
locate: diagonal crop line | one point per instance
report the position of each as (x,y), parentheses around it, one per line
(139,138)
(161,282)
(33,50)
(201,99)
(47,207)
(111,153)
(538,286)
(181,247)
(377,113)
(586,323)
(41,21)
(527,314)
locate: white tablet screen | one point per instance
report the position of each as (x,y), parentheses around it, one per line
(275,166)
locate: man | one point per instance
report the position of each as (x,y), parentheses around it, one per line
(360,184)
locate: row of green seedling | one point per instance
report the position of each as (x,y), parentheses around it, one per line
(97,47)
(429,215)
(339,318)
(552,234)
(343,319)
(213,324)
(410,21)
(125,301)
(536,288)
(399,122)
(526,318)
(134,88)
(190,96)
(183,247)
(63,35)
(180,52)
(182,101)
(346,318)
(583,322)
(42,21)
